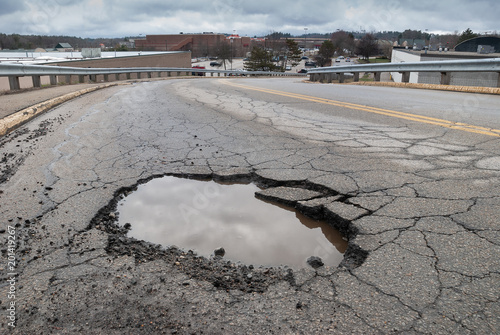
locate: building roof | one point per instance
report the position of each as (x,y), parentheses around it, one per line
(472,44)
(64,45)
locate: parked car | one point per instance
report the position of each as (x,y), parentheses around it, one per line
(305,57)
(215,64)
(311,64)
(347,59)
(302,71)
(198,73)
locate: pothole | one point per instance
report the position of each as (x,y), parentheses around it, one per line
(204,215)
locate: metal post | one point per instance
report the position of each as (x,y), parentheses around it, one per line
(498,80)
(376,76)
(14,83)
(36,81)
(329,78)
(356,77)
(231,53)
(406,77)
(81,79)
(68,79)
(341,77)
(128,75)
(445,78)
(117,76)
(53,79)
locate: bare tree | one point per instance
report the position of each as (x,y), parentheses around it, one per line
(343,42)
(223,53)
(367,46)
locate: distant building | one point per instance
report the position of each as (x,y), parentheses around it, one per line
(481,44)
(91,52)
(130,44)
(417,44)
(64,47)
(200,45)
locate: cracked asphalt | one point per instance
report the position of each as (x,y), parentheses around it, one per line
(418,202)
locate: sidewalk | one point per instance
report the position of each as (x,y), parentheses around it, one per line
(18,100)
(19,107)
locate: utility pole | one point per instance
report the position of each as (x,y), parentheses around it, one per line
(305,40)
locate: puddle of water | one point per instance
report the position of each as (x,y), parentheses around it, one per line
(204,215)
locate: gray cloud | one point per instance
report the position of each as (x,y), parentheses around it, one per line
(116,18)
(8,7)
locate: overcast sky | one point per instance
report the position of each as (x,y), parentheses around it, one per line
(119,18)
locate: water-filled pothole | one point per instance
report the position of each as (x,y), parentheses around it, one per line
(205,215)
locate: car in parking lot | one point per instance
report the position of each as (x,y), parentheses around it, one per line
(198,73)
(215,64)
(302,71)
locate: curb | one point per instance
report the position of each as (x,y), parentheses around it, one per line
(466,89)
(15,120)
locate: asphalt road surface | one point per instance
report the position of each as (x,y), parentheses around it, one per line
(411,177)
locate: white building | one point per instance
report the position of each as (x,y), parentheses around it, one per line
(482,79)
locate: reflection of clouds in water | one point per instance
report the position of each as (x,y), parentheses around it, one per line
(202,216)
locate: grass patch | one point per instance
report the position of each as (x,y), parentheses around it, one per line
(366,77)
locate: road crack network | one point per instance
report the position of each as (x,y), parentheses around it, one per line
(420,210)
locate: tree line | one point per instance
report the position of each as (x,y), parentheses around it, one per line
(342,43)
(29,42)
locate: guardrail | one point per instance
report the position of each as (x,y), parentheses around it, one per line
(326,74)
(15,71)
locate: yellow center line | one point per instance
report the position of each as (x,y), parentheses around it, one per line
(381,111)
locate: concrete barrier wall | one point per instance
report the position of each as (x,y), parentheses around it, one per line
(484,79)
(177,59)
(174,59)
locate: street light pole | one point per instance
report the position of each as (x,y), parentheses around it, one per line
(305,40)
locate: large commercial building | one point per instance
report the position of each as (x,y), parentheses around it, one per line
(200,45)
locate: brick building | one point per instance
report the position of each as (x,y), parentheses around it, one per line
(200,45)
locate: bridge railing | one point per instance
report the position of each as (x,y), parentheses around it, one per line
(326,74)
(15,71)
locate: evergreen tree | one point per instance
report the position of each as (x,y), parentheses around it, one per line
(466,35)
(293,53)
(325,53)
(260,60)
